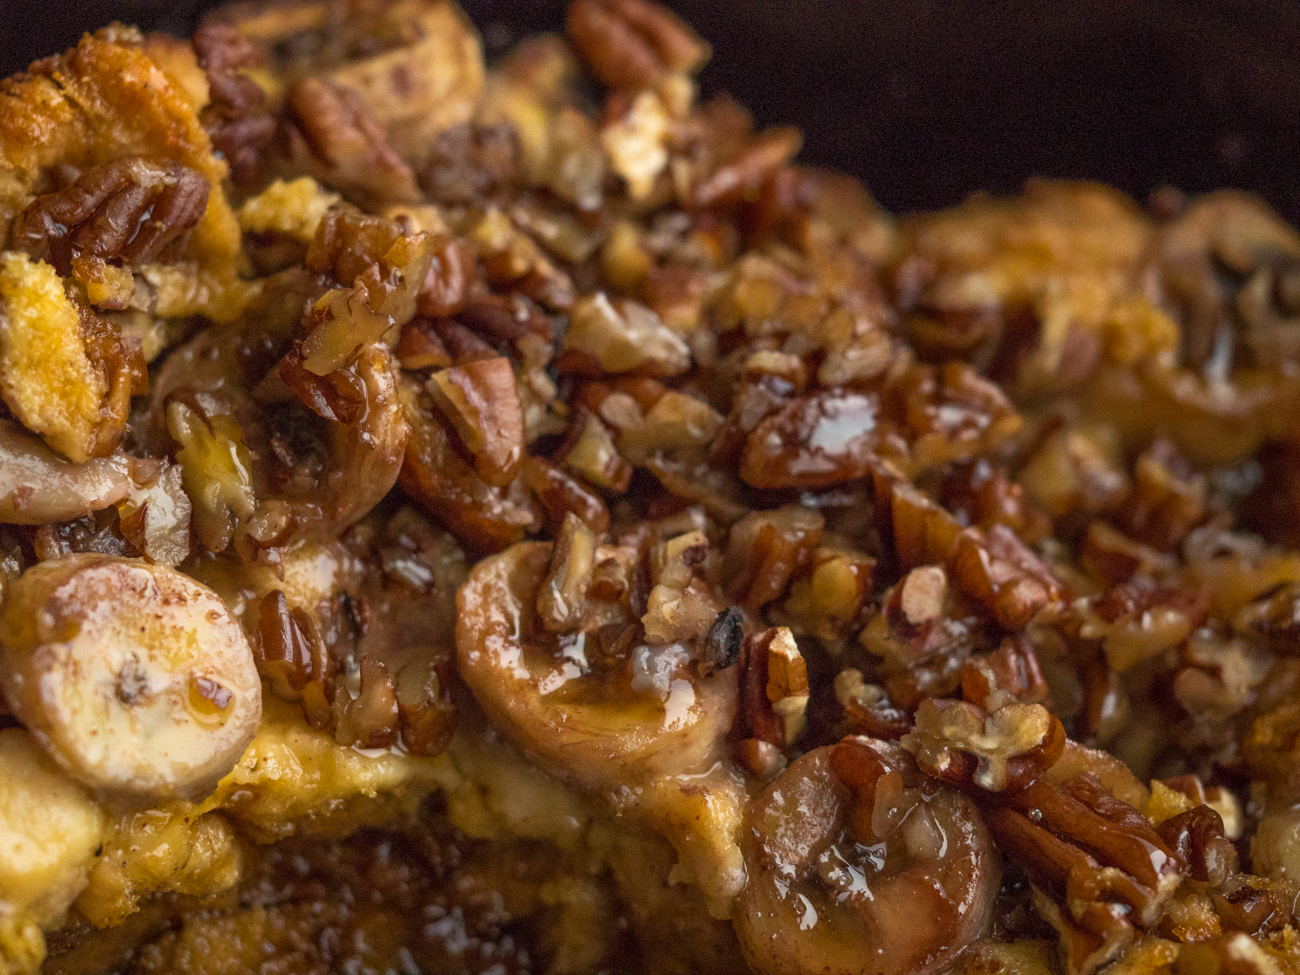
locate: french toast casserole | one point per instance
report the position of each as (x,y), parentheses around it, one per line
(512,517)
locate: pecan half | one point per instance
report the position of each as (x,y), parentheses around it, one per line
(134,209)
(632,44)
(236,117)
(1097,866)
(560,495)
(342,144)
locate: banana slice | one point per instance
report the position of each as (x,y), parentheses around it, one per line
(133,676)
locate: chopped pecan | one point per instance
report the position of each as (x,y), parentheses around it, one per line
(559,495)
(633,44)
(773,689)
(479,514)
(379,300)
(372,719)
(623,337)
(1275,618)
(1168,498)
(216,469)
(1112,556)
(743,176)
(1075,471)
(292,658)
(879,797)
(471,162)
(828,601)
(1136,620)
(954,414)
(679,607)
(562,598)
(155,518)
(419,346)
(915,530)
(513,261)
(134,209)
(1255,905)
(766,550)
(982,495)
(1216,797)
(913,621)
(236,117)
(824,439)
(446,286)
(965,745)
(481,401)
(867,707)
(347,243)
(342,144)
(1011,673)
(590,453)
(998,570)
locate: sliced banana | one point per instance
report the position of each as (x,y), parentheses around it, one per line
(133,676)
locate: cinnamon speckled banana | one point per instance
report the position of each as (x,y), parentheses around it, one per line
(133,676)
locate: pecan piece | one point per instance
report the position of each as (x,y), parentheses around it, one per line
(1011,673)
(824,439)
(340,142)
(914,529)
(965,745)
(773,689)
(1096,865)
(589,452)
(633,44)
(134,209)
(867,707)
(236,117)
(292,658)
(1196,836)
(766,550)
(559,495)
(481,401)
(562,597)
(743,176)
(913,622)
(955,414)
(604,336)
(477,513)
(1001,572)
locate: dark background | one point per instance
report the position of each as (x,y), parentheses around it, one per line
(929,100)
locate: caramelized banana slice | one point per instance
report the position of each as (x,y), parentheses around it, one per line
(638,724)
(133,676)
(858,866)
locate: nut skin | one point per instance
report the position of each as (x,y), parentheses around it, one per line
(134,677)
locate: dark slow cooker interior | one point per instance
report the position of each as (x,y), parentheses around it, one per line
(928,102)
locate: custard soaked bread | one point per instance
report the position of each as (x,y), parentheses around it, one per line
(515,518)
